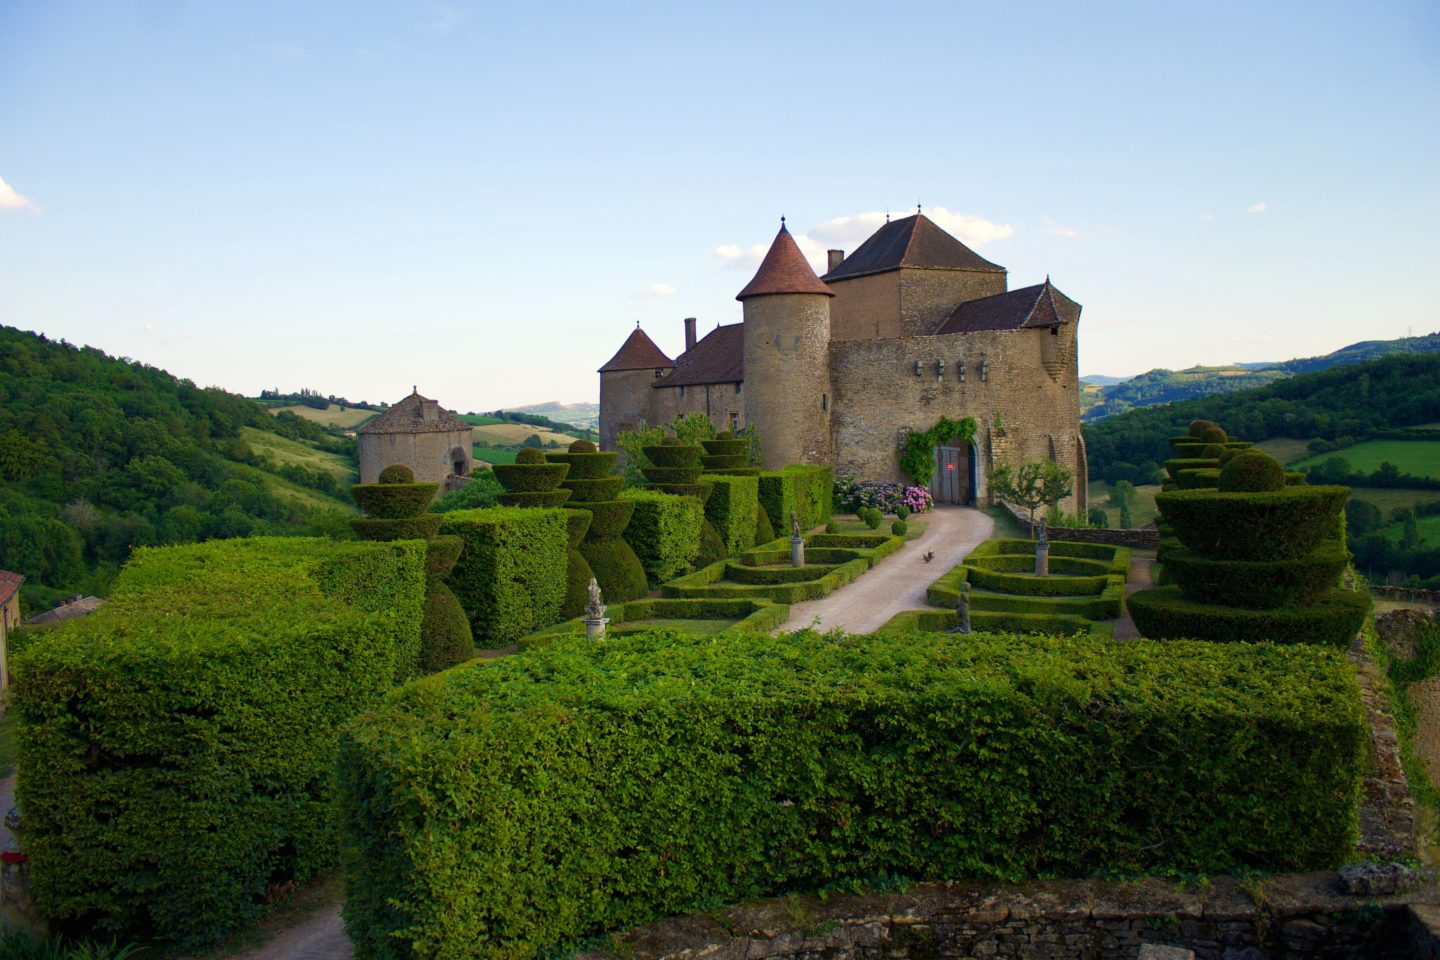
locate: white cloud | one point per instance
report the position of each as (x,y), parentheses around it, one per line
(12,199)
(1256,207)
(654,292)
(847,233)
(1055,230)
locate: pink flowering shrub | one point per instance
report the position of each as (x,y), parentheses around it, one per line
(852,494)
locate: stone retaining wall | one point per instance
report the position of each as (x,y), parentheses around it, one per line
(1297,915)
(1143,538)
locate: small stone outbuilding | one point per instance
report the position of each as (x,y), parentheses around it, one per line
(418,433)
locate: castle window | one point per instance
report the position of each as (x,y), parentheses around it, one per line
(734,423)
(1055,331)
(682,393)
(737,388)
(659,374)
(824,401)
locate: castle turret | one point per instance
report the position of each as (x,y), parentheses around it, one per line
(626,397)
(787,357)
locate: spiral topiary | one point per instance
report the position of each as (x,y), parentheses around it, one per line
(593,488)
(1214,435)
(1198,427)
(1252,472)
(396,473)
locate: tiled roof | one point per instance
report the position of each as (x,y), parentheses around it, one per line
(69,610)
(784,270)
(9,583)
(638,352)
(406,417)
(914,242)
(1038,306)
(719,357)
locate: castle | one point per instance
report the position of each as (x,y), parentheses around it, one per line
(840,369)
(418,433)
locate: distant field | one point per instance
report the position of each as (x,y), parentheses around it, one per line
(1142,510)
(332,416)
(1285,449)
(479,421)
(1420,458)
(491,455)
(293,491)
(283,451)
(503,433)
(1429,531)
(1389,500)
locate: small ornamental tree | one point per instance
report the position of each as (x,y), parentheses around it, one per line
(1031,485)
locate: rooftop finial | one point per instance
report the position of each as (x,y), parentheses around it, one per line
(782,221)
(917,209)
(415,388)
(887,214)
(637,324)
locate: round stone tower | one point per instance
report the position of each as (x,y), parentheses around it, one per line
(787,357)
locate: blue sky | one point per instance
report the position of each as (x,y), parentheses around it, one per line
(484,199)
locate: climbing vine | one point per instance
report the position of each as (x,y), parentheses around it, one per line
(917,459)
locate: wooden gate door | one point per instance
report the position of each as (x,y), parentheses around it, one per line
(947,486)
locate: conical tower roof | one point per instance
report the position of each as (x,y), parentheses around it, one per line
(638,352)
(784,270)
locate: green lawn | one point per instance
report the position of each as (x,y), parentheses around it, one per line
(284,450)
(474,419)
(1285,449)
(1142,511)
(493,455)
(1420,458)
(847,523)
(1389,500)
(1006,526)
(1429,531)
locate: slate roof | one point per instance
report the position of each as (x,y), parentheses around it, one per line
(405,417)
(784,270)
(719,357)
(638,352)
(915,242)
(69,610)
(9,583)
(1039,306)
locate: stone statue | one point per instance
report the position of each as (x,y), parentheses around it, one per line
(595,610)
(1043,536)
(962,609)
(794,526)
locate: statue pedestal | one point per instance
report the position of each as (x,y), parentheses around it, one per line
(1042,560)
(797,551)
(595,628)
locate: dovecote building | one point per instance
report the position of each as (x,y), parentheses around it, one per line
(839,369)
(420,434)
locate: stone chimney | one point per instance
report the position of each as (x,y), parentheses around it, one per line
(429,410)
(835,257)
(689,333)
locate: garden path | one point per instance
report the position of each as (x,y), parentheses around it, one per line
(1138,579)
(898,582)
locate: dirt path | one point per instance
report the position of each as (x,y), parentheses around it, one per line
(1137,579)
(319,936)
(899,581)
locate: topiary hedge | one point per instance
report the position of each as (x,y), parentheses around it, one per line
(530,477)
(674,456)
(1202,479)
(1258,585)
(764,530)
(586,466)
(1252,472)
(1284,524)
(776,492)
(511,576)
(537,498)
(446,629)
(664,532)
(592,491)
(179,743)
(712,548)
(581,794)
(390,501)
(814,493)
(1173,467)
(1332,619)
(755,614)
(617,569)
(731,509)
(402,528)
(987,622)
(440,556)
(397,473)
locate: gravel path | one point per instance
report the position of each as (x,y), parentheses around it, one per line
(1138,579)
(899,581)
(319,936)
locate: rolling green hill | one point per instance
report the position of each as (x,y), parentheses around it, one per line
(100,455)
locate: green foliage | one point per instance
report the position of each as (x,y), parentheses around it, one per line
(511,576)
(1207,478)
(445,636)
(422,527)
(440,556)
(178,744)
(583,446)
(764,530)
(870,516)
(731,510)
(1175,466)
(675,456)
(393,501)
(538,498)
(592,491)
(664,532)
(1087,580)
(1252,472)
(917,458)
(617,569)
(1282,525)
(608,519)
(988,621)
(583,793)
(838,560)
(814,493)
(577,584)
(16,944)
(530,456)
(530,477)
(585,464)
(1031,485)
(832,527)
(1258,585)
(688,431)
(1099,519)
(712,547)
(899,528)
(902,512)
(1332,619)
(1213,435)
(1198,428)
(397,473)
(479,491)
(757,615)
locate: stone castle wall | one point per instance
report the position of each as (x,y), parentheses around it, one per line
(626,399)
(866,308)
(928,297)
(877,394)
(430,455)
(787,377)
(721,402)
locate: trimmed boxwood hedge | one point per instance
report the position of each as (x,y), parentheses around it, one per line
(1285,524)
(617,569)
(608,518)
(1258,585)
(727,448)
(440,556)
(764,530)
(757,614)
(814,494)
(422,527)
(739,573)
(1332,619)
(586,466)
(1204,478)
(672,475)
(776,492)
(1173,467)
(712,464)
(674,456)
(593,491)
(712,548)
(731,509)
(578,575)
(498,811)
(511,575)
(664,532)
(447,638)
(392,501)
(537,498)
(986,622)
(178,745)
(530,477)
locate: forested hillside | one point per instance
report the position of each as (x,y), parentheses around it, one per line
(100,455)
(1343,403)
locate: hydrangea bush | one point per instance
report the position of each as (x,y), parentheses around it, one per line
(852,494)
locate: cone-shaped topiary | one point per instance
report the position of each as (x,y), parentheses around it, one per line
(393,501)
(397,473)
(1252,472)
(445,635)
(592,487)
(534,482)
(764,529)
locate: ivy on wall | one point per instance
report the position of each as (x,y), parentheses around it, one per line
(917,458)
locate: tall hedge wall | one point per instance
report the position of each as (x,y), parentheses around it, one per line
(581,793)
(178,745)
(664,532)
(814,493)
(511,576)
(731,509)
